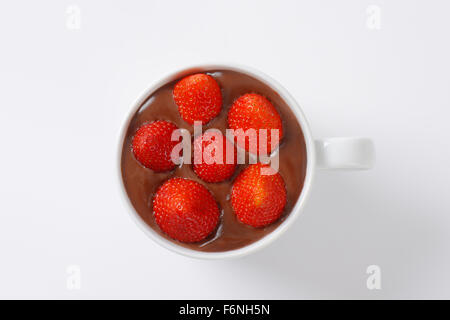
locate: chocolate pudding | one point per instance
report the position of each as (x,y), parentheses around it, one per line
(141,183)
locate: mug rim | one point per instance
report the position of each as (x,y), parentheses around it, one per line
(310,162)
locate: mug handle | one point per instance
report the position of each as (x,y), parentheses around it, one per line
(345,153)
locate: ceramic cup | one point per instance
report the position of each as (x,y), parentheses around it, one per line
(332,153)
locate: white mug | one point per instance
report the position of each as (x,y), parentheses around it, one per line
(332,153)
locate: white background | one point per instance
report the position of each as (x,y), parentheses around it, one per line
(65,92)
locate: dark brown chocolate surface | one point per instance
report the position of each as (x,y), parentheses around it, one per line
(141,183)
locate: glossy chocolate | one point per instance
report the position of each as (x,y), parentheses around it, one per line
(141,183)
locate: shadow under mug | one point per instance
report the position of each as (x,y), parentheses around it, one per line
(347,153)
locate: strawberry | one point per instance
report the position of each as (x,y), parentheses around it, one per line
(253,111)
(214,149)
(152,145)
(258,200)
(185,210)
(198,98)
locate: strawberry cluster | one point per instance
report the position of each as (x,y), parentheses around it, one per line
(185,209)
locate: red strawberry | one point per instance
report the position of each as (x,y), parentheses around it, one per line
(198,97)
(253,111)
(152,145)
(257,199)
(185,210)
(218,157)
